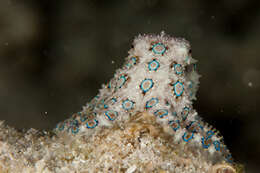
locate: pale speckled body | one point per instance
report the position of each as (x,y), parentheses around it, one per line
(159,77)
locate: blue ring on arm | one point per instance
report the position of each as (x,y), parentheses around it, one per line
(175,122)
(91,127)
(187,139)
(149,87)
(133,59)
(210,133)
(175,89)
(185,115)
(160,45)
(196,125)
(127,101)
(60,126)
(149,101)
(163,111)
(132,62)
(124,80)
(108,114)
(217,145)
(153,68)
(75,129)
(203,140)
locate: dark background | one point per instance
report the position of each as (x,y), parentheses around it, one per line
(54,56)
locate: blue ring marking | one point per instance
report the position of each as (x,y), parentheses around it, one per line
(105,106)
(89,126)
(175,68)
(204,145)
(132,62)
(161,113)
(196,125)
(75,127)
(185,115)
(111,115)
(175,88)
(72,123)
(189,125)
(210,133)
(60,126)
(124,80)
(217,145)
(153,68)
(133,59)
(74,130)
(149,87)
(114,100)
(159,45)
(127,101)
(187,139)
(147,105)
(177,122)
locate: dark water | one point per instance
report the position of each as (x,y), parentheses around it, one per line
(54,56)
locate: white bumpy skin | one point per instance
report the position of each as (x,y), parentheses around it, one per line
(159,77)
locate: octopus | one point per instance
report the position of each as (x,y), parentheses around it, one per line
(159,77)
(142,120)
